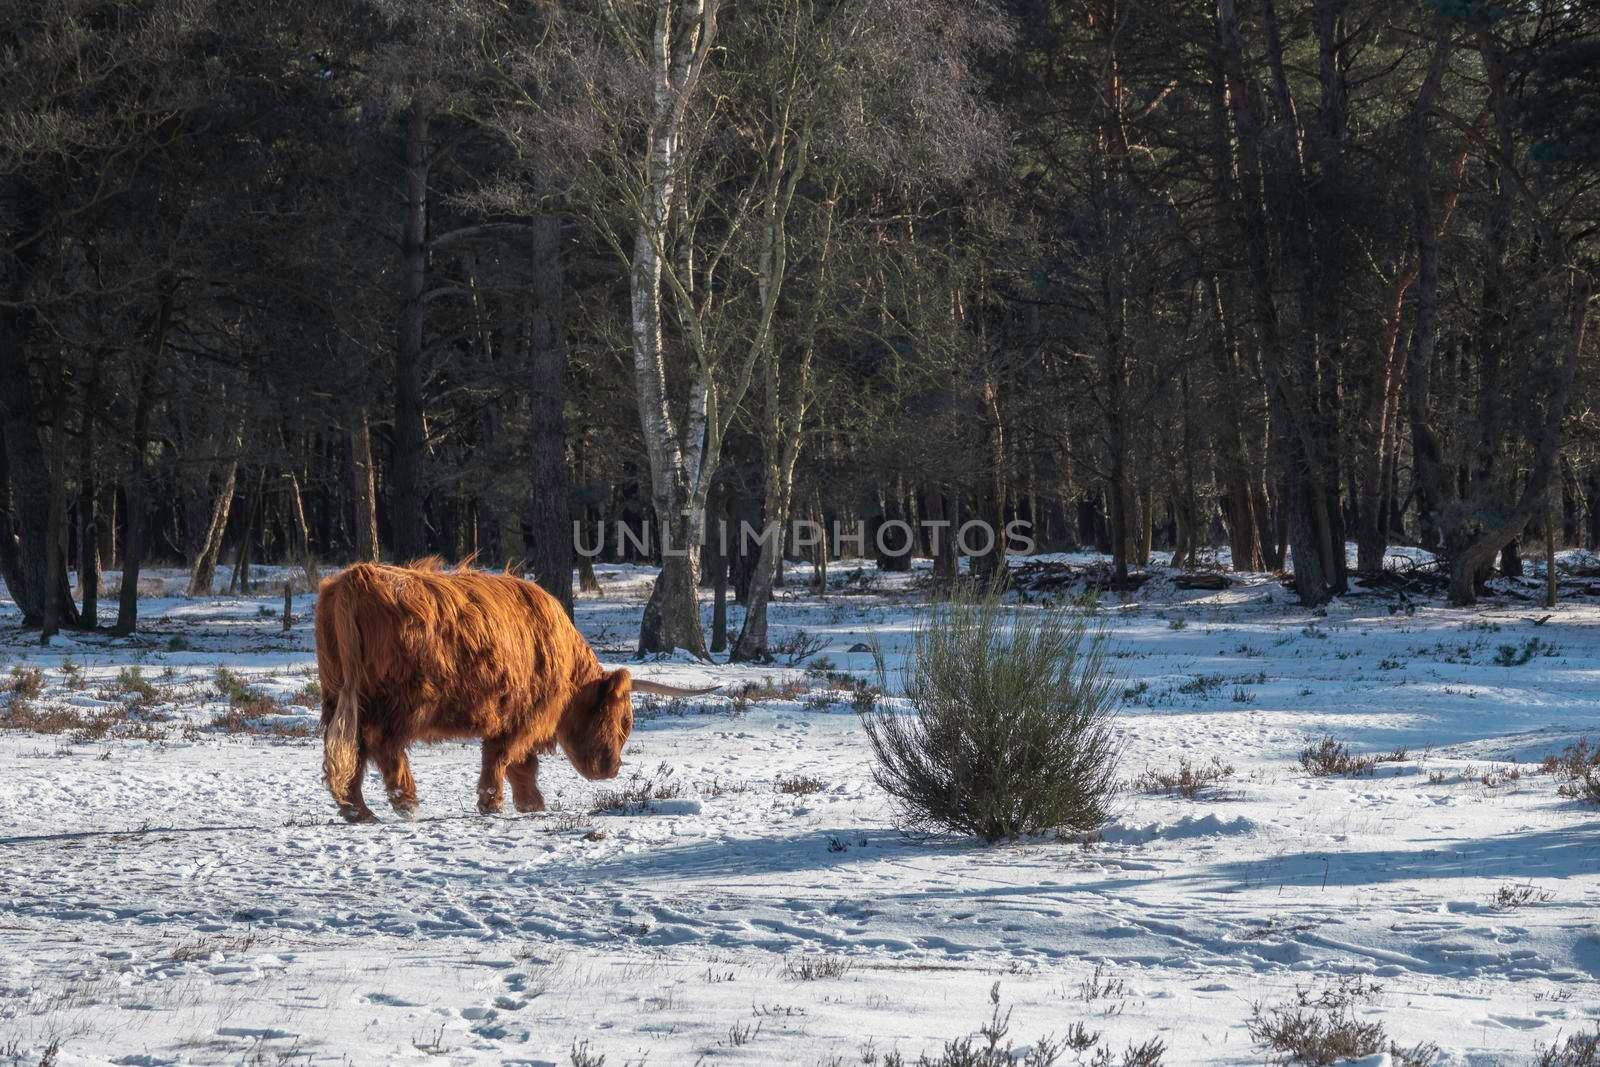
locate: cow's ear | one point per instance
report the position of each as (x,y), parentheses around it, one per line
(619,683)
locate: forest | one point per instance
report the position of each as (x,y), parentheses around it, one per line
(1239,280)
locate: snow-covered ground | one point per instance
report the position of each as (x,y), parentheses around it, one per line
(174,886)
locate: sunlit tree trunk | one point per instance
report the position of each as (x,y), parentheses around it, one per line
(678,49)
(203,572)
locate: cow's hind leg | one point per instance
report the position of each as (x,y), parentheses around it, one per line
(347,791)
(524,776)
(396,770)
(491,780)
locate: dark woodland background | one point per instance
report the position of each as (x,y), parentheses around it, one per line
(299,281)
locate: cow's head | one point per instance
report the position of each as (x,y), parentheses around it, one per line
(597,724)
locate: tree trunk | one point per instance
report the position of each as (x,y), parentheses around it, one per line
(1290,374)
(992,493)
(1244,533)
(719,597)
(57,601)
(819,552)
(1428,474)
(934,528)
(406,491)
(363,488)
(680,468)
(1372,534)
(587,582)
(785,420)
(672,614)
(1186,511)
(1117,492)
(1550,557)
(1592,484)
(88,533)
(28,467)
(134,486)
(301,532)
(203,573)
(1147,523)
(10,558)
(107,515)
(1544,468)
(25,559)
(549,509)
(253,513)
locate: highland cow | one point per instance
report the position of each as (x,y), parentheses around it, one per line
(419,654)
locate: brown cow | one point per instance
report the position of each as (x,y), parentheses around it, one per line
(418,654)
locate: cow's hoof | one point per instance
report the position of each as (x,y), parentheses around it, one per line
(529,807)
(489,809)
(408,812)
(355,814)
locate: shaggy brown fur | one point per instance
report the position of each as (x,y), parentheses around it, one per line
(417,654)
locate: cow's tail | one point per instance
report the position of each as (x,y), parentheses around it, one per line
(340,750)
(341,666)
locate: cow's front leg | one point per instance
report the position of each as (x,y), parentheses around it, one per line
(491,780)
(524,777)
(397,779)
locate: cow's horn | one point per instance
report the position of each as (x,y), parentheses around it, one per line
(656,688)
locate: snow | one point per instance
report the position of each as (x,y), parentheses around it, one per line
(176,888)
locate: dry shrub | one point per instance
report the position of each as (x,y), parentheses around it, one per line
(1574,761)
(25,683)
(1585,788)
(797,646)
(132,686)
(1329,757)
(1579,766)
(991,1047)
(1579,1050)
(232,688)
(864,698)
(1322,1029)
(261,716)
(638,793)
(811,968)
(50,720)
(98,727)
(800,784)
(1188,781)
(1510,897)
(1011,726)
(767,689)
(80,724)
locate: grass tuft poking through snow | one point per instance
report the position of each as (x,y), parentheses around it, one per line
(991,1046)
(582,1057)
(1323,1029)
(1188,780)
(639,793)
(1510,897)
(812,968)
